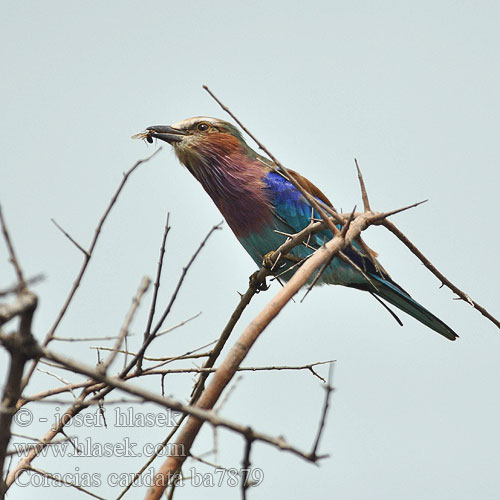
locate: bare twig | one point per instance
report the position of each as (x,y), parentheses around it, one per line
(178,325)
(181,279)
(12,253)
(153,457)
(156,288)
(128,319)
(85,339)
(16,289)
(23,447)
(214,354)
(246,464)
(445,281)
(88,403)
(57,390)
(328,390)
(166,359)
(61,480)
(166,312)
(70,238)
(156,371)
(206,462)
(170,359)
(61,379)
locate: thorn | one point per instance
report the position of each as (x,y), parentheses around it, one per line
(348,223)
(384,215)
(364,194)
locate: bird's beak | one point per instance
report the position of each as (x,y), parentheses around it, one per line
(166,133)
(162,132)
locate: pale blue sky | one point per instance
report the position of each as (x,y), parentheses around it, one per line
(410,89)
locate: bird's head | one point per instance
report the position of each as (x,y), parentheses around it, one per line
(200,140)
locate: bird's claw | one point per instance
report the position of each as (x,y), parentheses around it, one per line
(272,264)
(257,284)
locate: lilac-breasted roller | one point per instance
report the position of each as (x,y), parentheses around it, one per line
(261,207)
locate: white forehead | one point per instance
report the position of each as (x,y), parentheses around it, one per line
(189,122)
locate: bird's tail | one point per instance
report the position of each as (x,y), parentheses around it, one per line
(392,293)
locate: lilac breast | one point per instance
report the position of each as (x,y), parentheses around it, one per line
(235,184)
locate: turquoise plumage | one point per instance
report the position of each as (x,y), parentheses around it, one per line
(261,206)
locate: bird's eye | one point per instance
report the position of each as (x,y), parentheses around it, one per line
(202,127)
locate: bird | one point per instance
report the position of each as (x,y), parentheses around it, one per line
(262,208)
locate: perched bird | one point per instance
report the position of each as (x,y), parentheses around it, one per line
(261,207)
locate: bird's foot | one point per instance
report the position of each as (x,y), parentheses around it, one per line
(268,262)
(257,284)
(274,264)
(271,263)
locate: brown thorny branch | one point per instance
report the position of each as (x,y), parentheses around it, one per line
(99,381)
(71,387)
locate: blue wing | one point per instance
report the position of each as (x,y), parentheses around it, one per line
(291,214)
